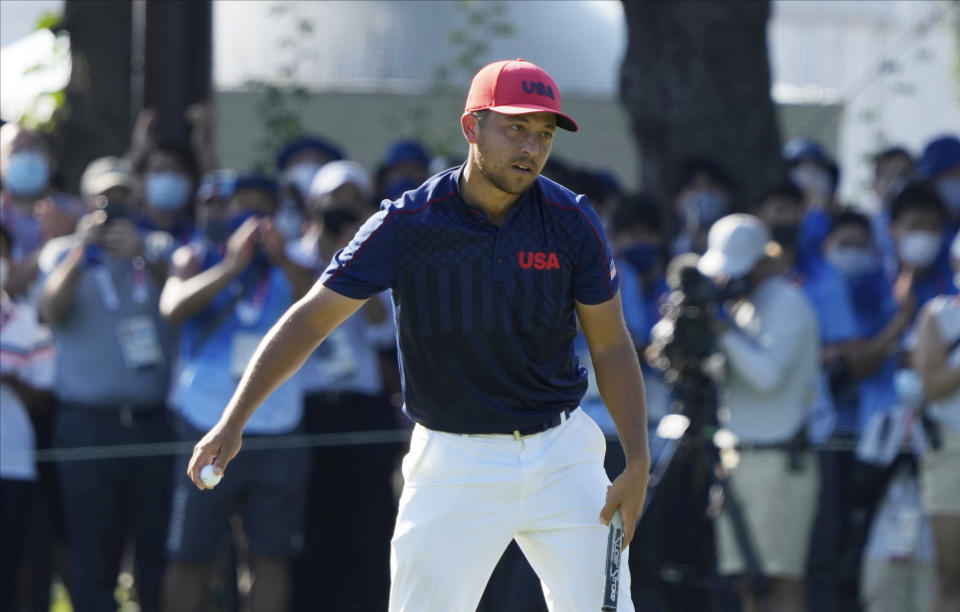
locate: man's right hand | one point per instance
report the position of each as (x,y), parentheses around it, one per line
(219,447)
(90,227)
(242,245)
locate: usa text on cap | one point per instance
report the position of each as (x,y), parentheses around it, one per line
(517,87)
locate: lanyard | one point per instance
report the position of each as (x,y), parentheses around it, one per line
(249,311)
(108,291)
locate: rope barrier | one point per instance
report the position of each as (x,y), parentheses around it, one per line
(352,438)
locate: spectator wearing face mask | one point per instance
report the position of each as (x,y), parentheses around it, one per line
(817,176)
(168,176)
(405,165)
(30,207)
(225,296)
(345,392)
(892,169)
(919,224)
(857,480)
(112,376)
(297,164)
(940,167)
(701,196)
(299,161)
(772,349)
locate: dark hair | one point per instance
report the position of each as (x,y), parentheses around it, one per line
(917,196)
(848,216)
(890,153)
(634,210)
(785,188)
(183,154)
(688,169)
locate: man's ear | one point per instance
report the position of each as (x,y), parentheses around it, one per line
(470,127)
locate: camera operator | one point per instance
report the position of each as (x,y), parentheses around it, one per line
(772,349)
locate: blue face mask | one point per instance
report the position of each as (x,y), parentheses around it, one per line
(289,220)
(28,174)
(852,261)
(641,256)
(167,191)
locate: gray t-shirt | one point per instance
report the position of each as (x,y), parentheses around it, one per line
(112,346)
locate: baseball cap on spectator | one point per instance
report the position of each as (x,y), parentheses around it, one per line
(336,174)
(735,244)
(307,143)
(254,180)
(405,151)
(106,173)
(940,155)
(517,87)
(800,149)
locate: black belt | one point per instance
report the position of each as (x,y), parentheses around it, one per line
(557,420)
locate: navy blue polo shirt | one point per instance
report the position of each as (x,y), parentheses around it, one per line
(485,314)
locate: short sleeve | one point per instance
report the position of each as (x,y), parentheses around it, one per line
(595,280)
(368,265)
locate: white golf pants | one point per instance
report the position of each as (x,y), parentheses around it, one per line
(466,496)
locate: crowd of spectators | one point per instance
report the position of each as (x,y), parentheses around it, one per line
(130,311)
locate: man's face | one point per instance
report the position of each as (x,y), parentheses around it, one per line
(511,150)
(847,236)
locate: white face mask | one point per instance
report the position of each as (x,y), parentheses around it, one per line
(301,176)
(4,270)
(851,261)
(919,249)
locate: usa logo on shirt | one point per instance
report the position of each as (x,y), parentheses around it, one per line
(538,260)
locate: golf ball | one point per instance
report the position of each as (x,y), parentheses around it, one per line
(208,477)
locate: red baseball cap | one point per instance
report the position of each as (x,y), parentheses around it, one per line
(517,87)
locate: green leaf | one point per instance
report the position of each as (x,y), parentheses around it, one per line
(51,20)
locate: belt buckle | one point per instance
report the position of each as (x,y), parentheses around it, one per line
(517,435)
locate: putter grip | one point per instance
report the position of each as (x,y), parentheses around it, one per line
(611,572)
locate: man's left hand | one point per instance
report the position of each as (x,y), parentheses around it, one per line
(627,492)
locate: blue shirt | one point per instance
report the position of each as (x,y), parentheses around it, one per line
(216,344)
(484,314)
(874,306)
(830,296)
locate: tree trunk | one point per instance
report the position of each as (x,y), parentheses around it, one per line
(696,82)
(96,119)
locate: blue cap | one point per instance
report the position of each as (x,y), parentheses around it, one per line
(800,149)
(255,180)
(940,154)
(405,151)
(306,143)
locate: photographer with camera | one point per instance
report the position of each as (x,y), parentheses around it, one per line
(226,288)
(112,373)
(772,349)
